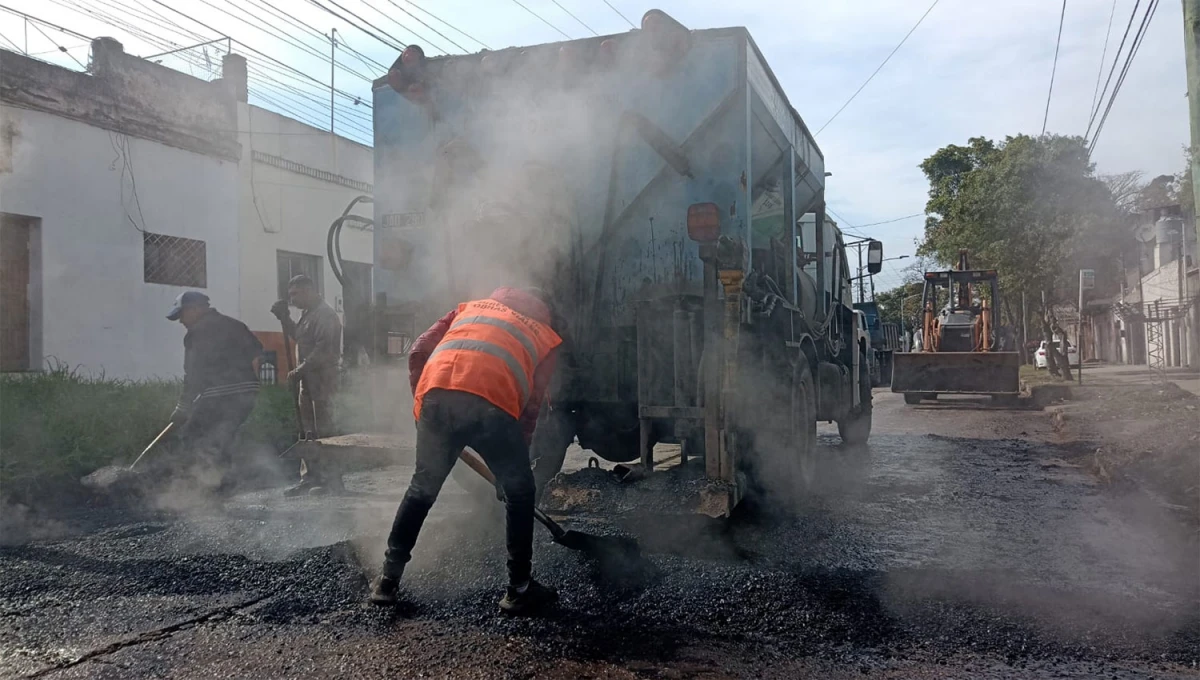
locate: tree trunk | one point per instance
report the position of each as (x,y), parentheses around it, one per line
(1058,354)
(1048,337)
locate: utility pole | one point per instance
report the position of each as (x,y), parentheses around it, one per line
(860,274)
(1024,330)
(1191,53)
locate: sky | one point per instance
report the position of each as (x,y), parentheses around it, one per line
(972,68)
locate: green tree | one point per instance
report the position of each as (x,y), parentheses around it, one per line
(905,298)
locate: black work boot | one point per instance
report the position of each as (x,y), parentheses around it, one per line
(383,590)
(528,599)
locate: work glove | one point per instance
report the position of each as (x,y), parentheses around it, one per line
(280,310)
(179,416)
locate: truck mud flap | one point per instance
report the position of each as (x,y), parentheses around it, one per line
(956,372)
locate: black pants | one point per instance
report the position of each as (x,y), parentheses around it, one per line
(209,432)
(449,421)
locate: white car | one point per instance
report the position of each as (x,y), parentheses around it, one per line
(1040,361)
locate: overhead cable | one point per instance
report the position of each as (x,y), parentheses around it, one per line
(543,19)
(391,40)
(880,67)
(1054,67)
(418,19)
(1103,54)
(1139,38)
(1112,70)
(468,36)
(631,24)
(580,21)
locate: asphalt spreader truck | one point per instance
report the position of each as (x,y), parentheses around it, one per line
(661,188)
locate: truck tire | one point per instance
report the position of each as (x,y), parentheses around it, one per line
(912,398)
(803,414)
(855,428)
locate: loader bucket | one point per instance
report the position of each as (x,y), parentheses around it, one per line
(956,372)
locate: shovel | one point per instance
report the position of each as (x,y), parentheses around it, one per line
(107,476)
(612,553)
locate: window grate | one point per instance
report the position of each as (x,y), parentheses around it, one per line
(174,261)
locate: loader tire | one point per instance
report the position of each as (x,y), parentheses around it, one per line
(855,428)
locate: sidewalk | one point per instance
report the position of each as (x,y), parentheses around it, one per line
(1122,374)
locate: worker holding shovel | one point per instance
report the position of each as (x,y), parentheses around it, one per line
(318,336)
(220,382)
(479,376)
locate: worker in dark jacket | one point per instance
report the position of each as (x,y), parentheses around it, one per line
(479,376)
(220,381)
(318,336)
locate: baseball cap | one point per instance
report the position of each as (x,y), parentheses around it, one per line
(190,298)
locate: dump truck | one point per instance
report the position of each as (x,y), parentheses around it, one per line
(959,348)
(883,341)
(661,188)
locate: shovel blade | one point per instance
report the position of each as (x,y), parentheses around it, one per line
(106,477)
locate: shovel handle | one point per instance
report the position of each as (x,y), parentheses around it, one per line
(170,426)
(474,462)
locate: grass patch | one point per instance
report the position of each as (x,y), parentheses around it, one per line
(59,425)
(1032,376)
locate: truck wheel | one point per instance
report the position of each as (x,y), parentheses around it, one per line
(803,416)
(856,428)
(912,398)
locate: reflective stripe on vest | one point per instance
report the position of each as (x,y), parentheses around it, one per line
(495,350)
(491,351)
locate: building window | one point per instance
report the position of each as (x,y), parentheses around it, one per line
(174,261)
(294,264)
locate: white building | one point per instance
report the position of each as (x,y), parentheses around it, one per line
(294,183)
(122,187)
(118,191)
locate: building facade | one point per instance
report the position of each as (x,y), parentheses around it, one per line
(126,185)
(118,191)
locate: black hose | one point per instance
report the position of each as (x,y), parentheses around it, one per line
(333,241)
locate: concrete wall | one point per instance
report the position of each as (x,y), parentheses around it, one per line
(291,208)
(96,310)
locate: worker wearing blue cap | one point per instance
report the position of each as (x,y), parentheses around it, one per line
(220,381)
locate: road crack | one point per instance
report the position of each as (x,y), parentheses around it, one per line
(149,636)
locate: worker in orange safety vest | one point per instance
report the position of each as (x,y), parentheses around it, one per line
(479,376)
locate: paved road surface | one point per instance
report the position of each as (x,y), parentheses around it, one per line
(960,544)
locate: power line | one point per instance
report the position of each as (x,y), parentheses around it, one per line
(418,36)
(45,23)
(15,47)
(518,4)
(452,42)
(263,55)
(395,43)
(1138,39)
(880,68)
(1103,54)
(287,38)
(631,24)
(60,47)
(1113,69)
(341,40)
(897,219)
(556,3)
(1054,68)
(452,26)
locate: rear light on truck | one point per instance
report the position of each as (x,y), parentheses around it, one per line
(669,40)
(407,74)
(704,222)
